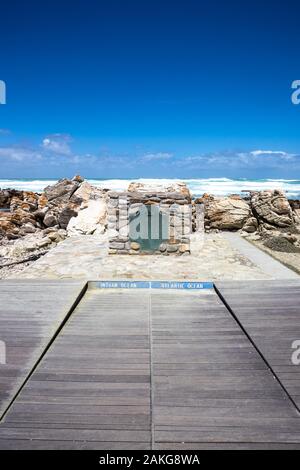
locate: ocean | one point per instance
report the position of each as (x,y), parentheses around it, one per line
(216,186)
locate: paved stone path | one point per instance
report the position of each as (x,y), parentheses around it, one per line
(213,257)
(269,265)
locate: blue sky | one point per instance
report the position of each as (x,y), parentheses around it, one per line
(149,89)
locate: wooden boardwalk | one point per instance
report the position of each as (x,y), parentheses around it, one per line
(211,387)
(270,313)
(92,389)
(31,312)
(160,369)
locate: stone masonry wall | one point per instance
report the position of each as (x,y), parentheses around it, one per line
(175,206)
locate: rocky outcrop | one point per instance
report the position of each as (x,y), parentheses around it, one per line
(28,212)
(65,199)
(89,220)
(85,193)
(176,187)
(272,207)
(225,213)
(6,196)
(31,243)
(62,190)
(80,208)
(58,207)
(264,212)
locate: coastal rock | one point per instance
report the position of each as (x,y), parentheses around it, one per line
(62,190)
(23,246)
(6,195)
(29,211)
(272,207)
(297,216)
(85,193)
(11,223)
(29,228)
(225,213)
(57,235)
(7,226)
(50,219)
(60,203)
(65,215)
(27,201)
(153,187)
(42,201)
(89,219)
(251,225)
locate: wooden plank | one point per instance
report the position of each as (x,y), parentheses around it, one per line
(270,314)
(100,395)
(138,369)
(204,393)
(30,315)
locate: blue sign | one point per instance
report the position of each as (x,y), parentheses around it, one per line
(186,285)
(123,285)
(181,285)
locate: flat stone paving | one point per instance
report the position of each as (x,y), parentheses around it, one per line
(213,257)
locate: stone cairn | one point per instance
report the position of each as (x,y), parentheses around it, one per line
(175,207)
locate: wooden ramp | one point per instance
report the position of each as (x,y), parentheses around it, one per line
(31,312)
(92,389)
(211,387)
(269,311)
(151,368)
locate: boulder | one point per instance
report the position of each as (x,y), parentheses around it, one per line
(55,207)
(12,222)
(50,219)
(225,213)
(85,193)
(31,199)
(7,226)
(89,219)
(42,201)
(61,204)
(57,235)
(297,216)
(251,225)
(25,246)
(7,194)
(66,214)
(62,190)
(154,187)
(272,207)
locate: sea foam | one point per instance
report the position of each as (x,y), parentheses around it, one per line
(198,186)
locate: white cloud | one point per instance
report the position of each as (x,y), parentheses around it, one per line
(253,160)
(257,153)
(57,143)
(54,151)
(20,154)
